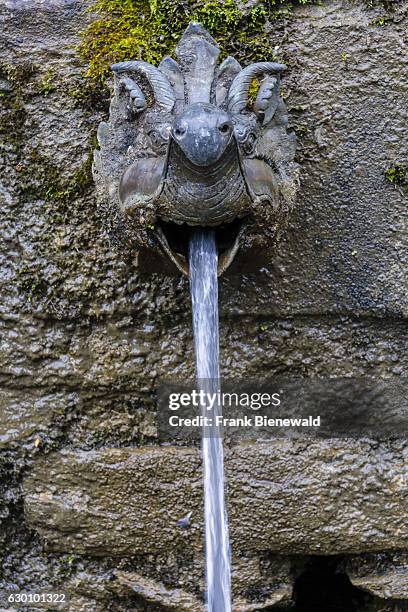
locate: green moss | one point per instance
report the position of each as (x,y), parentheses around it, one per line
(150,29)
(397,175)
(58,201)
(67,567)
(90,95)
(387,4)
(12,122)
(40,178)
(20,79)
(301,130)
(48,84)
(17,75)
(253,91)
(74,187)
(140,29)
(382,21)
(31,283)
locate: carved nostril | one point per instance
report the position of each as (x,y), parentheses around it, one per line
(179,131)
(224,128)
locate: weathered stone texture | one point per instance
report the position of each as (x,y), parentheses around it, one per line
(346,247)
(293,497)
(85,338)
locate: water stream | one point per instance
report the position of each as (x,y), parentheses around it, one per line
(203,261)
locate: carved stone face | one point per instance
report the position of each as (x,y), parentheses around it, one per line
(183,149)
(203,133)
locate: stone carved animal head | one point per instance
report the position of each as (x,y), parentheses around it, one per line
(184,148)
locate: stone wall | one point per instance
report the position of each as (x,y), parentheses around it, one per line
(90,500)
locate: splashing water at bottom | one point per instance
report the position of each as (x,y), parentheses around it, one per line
(203,262)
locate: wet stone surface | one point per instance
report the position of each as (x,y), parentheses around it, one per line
(86,338)
(292,497)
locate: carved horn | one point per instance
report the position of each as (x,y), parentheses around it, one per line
(238,92)
(163,91)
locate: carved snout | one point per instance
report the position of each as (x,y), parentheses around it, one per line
(203,132)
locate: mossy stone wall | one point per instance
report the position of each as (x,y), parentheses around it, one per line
(86,338)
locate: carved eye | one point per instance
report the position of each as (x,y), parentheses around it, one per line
(249,144)
(224,128)
(159,137)
(155,138)
(158,141)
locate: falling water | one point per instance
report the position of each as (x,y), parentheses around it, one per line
(203,261)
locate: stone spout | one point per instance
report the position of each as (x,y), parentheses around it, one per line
(185,148)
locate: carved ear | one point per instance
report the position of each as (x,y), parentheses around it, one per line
(268,99)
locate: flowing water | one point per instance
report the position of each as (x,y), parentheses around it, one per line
(203,260)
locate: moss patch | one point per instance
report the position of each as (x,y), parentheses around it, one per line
(44,273)
(41,179)
(19,84)
(397,175)
(145,30)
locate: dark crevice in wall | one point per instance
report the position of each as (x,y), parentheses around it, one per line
(321,587)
